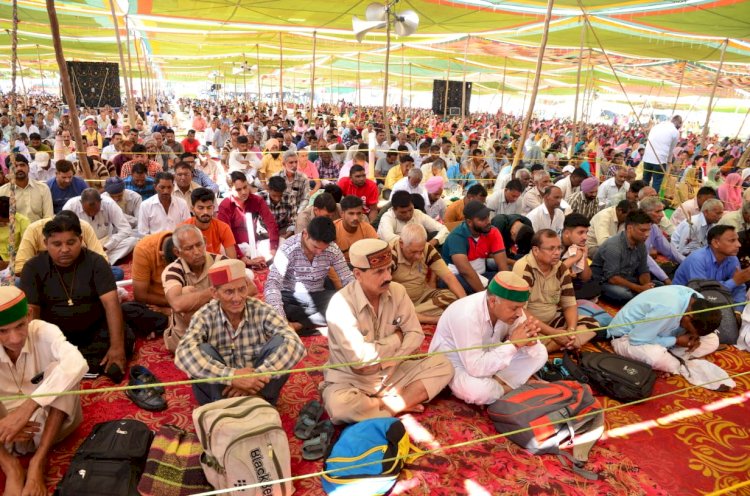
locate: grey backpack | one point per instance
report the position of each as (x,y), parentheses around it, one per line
(716,293)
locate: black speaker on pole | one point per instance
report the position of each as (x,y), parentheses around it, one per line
(95,84)
(454,96)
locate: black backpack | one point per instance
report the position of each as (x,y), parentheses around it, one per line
(623,379)
(716,293)
(109,461)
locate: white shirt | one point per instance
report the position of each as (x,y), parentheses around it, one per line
(540,219)
(109,224)
(235,165)
(691,236)
(567,189)
(152,218)
(661,142)
(403,184)
(40,174)
(466,324)
(381,149)
(690,207)
(390,226)
(530,199)
(603,226)
(27,130)
(497,203)
(45,345)
(609,194)
(109,152)
(130,206)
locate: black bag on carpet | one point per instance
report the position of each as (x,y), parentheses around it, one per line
(109,461)
(716,293)
(623,379)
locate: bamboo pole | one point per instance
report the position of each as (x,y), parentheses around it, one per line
(41,73)
(679,89)
(463,81)
(257,63)
(386,122)
(502,89)
(282,111)
(447,84)
(331,82)
(14,110)
(359,83)
(20,73)
(67,88)
(130,60)
(704,135)
(312,78)
(537,77)
(131,106)
(244,75)
(13,74)
(578,91)
(526,92)
(402,75)
(739,130)
(411,92)
(140,71)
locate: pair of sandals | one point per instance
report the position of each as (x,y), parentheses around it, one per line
(317,434)
(149,398)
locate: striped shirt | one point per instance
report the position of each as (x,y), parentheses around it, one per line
(549,293)
(582,205)
(292,271)
(237,347)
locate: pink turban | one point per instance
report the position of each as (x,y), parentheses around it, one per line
(589,184)
(434,184)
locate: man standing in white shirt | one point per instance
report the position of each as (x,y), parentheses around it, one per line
(110,225)
(162,212)
(658,154)
(614,189)
(31,349)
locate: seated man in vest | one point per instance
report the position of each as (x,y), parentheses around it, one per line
(28,347)
(484,375)
(413,259)
(185,280)
(73,288)
(373,319)
(295,284)
(234,335)
(113,231)
(651,341)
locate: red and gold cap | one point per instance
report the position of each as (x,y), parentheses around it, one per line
(370,254)
(226,271)
(13,305)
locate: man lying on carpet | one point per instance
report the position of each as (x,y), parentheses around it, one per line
(39,360)
(236,334)
(651,342)
(484,375)
(373,318)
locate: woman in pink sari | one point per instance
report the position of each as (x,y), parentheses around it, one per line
(730,192)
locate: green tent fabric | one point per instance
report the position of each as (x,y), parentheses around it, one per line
(650,42)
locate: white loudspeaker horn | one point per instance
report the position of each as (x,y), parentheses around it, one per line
(407,23)
(361,28)
(376,12)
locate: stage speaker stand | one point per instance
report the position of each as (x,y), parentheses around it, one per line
(454,96)
(95,84)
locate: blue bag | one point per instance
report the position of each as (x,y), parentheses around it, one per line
(588,308)
(372,440)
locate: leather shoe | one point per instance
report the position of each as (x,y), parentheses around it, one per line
(151,398)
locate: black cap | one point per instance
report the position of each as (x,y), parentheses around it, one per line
(476,210)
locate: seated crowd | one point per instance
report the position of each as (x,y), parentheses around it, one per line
(448,234)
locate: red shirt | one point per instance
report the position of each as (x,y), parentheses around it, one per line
(368,192)
(191,147)
(234,214)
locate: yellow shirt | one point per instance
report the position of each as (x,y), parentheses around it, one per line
(393,176)
(34,201)
(93,139)
(22,222)
(270,166)
(32,242)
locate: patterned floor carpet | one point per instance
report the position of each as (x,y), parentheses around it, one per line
(687,443)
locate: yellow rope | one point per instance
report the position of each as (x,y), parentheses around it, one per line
(466,443)
(729,489)
(317,368)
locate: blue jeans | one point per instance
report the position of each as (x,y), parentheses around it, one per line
(619,295)
(118,273)
(207,392)
(656,171)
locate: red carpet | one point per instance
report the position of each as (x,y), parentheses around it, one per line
(692,455)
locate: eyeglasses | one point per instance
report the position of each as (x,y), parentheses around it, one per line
(551,249)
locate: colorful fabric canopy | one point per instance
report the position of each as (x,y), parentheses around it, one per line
(651,43)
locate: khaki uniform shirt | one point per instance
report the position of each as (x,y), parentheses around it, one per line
(413,275)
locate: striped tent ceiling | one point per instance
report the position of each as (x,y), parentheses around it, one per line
(653,45)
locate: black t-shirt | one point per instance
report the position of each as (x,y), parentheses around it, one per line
(81,322)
